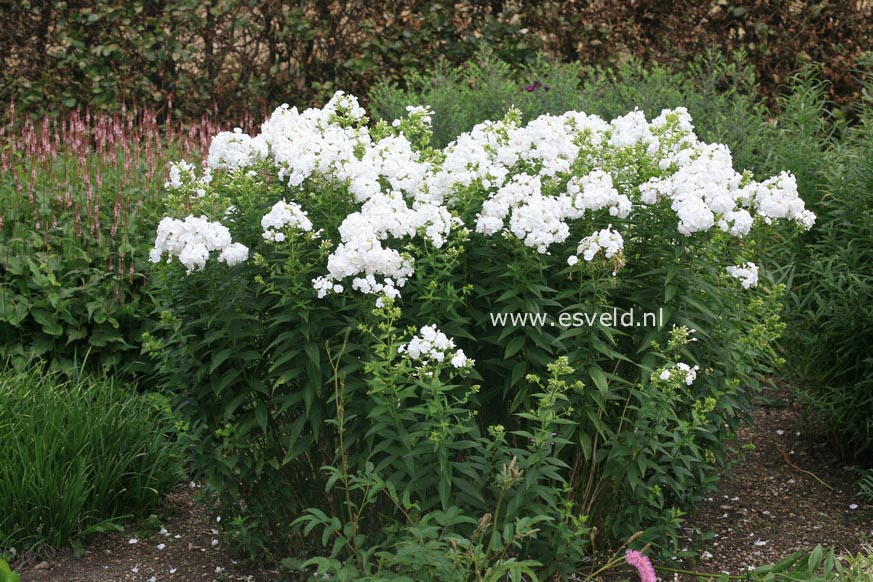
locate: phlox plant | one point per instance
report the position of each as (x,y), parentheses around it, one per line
(328,292)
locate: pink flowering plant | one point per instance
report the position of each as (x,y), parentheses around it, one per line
(329,290)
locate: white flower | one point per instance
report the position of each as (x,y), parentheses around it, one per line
(233,254)
(193,239)
(180,173)
(747,273)
(528,182)
(687,373)
(607,240)
(459,360)
(231,150)
(433,345)
(594,191)
(284,215)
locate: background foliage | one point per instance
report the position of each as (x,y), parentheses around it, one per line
(830,336)
(245,55)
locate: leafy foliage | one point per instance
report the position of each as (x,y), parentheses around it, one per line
(232,55)
(78,456)
(831,321)
(79,197)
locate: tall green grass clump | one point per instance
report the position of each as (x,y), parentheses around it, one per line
(720,95)
(78,454)
(832,313)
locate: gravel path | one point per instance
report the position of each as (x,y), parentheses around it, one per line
(789,493)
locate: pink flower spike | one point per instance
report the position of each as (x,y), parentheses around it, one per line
(642,564)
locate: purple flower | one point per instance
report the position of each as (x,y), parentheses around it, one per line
(536,85)
(642,564)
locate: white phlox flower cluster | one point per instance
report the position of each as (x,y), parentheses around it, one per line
(183,173)
(391,159)
(706,191)
(685,372)
(232,150)
(607,240)
(777,198)
(422,112)
(176,173)
(546,143)
(631,129)
(675,136)
(595,191)
(747,273)
(432,345)
(386,177)
(362,254)
(320,142)
(532,181)
(284,215)
(535,219)
(481,155)
(193,239)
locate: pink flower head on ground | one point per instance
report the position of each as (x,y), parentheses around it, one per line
(642,564)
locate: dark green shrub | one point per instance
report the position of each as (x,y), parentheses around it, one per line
(833,285)
(188,57)
(78,456)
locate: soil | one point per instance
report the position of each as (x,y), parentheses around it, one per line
(789,493)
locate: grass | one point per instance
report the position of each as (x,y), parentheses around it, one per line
(79,454)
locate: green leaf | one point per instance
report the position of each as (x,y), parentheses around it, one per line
(599,379)
(514,346)
(262,416)
(48,322)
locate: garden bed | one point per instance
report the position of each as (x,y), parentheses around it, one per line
(764,511)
